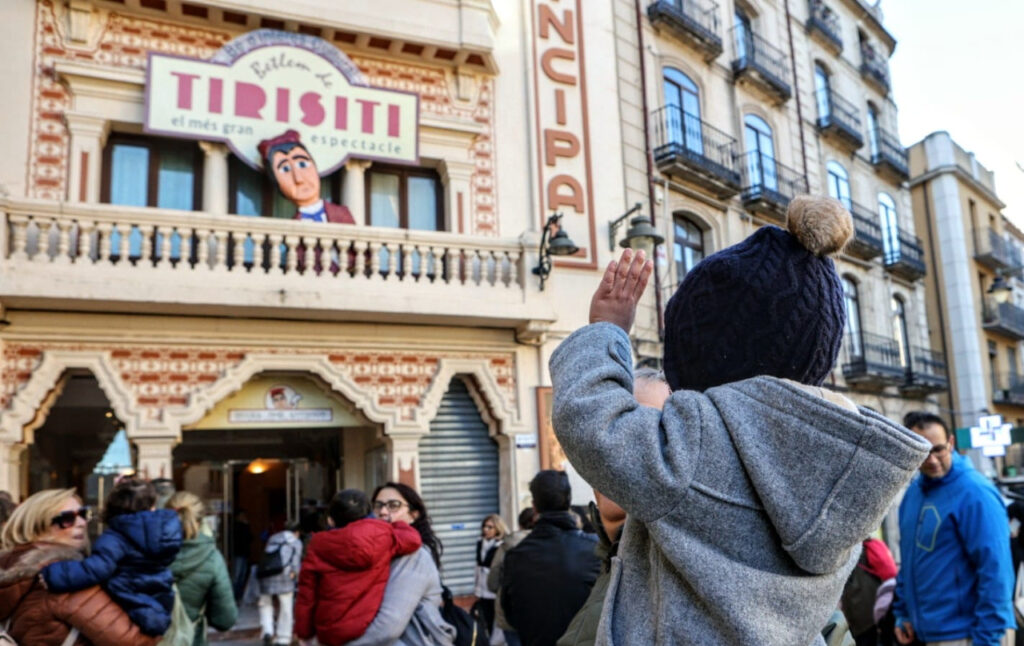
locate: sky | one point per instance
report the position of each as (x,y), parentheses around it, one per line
(959,67)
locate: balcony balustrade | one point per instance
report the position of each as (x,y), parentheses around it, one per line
(872,361)
(874,69)
(694,22)
(992,250)
(823,26)
(694,152)
(890,157)
(839,120)
(1004,318)
(158,260)
(926,373)
(867,234)
(760,65)
(768,186)
(904,256)
(1008,388)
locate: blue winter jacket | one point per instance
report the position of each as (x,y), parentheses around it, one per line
(956,578)
(131,560)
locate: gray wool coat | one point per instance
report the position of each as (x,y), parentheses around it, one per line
(747,503)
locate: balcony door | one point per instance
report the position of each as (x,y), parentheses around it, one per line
(822,91)
(899,329)
(682,104)
(855,343)
(743,31)
(890,228)
(760,146)
(838,183)
(873,130)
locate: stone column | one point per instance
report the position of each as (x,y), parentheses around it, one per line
(404,464)
(10,468)
(353,190)
(456,178)
(215,177)
(155,456)
(85,162)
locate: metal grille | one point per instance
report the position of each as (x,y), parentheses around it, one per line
(459,482)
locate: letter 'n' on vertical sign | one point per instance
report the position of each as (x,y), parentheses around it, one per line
(563,143)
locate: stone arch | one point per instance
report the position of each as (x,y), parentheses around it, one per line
(494,407)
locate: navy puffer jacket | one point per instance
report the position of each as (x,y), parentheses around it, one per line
(131,560)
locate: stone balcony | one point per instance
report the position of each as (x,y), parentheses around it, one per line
(692,22)
(823,26)
(126,259)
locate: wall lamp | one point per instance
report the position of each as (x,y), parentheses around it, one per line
(641,233)
(1000,289)
(552,244)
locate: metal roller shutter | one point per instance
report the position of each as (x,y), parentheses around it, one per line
(459,482)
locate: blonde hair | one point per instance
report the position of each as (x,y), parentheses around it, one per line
(500,527)
(33,518)
(190,512)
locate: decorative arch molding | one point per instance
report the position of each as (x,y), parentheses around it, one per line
(494,407)
(715,238)
(693,73)
(25,404)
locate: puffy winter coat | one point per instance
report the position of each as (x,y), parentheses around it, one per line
(344,575)
(203,580)
(132,561)
(44,618)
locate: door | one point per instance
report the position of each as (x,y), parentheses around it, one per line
(744,46)
(682,107)
(760,153)
(822,92)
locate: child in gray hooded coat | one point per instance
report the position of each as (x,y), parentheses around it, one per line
(748,496)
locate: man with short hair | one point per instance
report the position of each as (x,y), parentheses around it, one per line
(955,584)
(547,577)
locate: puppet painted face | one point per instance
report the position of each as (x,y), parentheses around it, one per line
(297,176)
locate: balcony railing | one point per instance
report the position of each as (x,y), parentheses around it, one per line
(840,119)
(904,256)
(992,250)
(889,156)
(823,23)
(160,260)
(1008,388)
(694,22)
(760,64)
(768,186)
(874,68)
(867,234)
(1004,318)
(872,360)
(926,373)
(694,151)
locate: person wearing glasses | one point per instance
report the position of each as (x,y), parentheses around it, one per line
(51,525)
(492,533)
(955,583)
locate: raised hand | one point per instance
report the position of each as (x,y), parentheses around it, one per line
(620,290)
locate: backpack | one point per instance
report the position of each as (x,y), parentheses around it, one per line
(469,630)
(182,631)
(271,563)
(859,596)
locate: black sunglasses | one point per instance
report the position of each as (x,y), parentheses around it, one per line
(66,519)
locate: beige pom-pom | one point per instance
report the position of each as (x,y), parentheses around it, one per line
(821,224)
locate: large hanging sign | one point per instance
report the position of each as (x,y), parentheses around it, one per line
(267,82)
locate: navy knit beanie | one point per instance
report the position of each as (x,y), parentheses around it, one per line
(770,305)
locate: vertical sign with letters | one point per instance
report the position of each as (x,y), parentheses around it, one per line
(560,103)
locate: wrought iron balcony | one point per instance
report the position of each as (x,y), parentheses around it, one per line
(768,186)
(872,361)
(1008,388)
(890,157)
(866,242)
(760,65)
(992,250)
(926,373)
(874,68)
(695,152)
(838,119)
(823,26)
(904,256)
(694,22)
(1003,318)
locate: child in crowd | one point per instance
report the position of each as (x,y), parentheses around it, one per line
(749,494)
(131,559)
(345,572)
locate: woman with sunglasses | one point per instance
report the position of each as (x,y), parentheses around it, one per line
(51,526)
(410,614)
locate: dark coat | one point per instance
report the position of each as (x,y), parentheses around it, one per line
(131,560)
(202,579)
(547,577)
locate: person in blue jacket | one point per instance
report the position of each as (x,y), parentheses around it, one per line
(131,559)
(955,584)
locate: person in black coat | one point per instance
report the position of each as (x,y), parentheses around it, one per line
(547,577)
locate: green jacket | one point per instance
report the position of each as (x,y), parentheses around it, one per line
(202,579)
(582,630)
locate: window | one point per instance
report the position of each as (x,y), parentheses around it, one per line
(152,171)
(760,155)
(890,228)
(838,183)
(899,329)
(688,245)
(822,91)
(682,107)
(853,330)
(407,198)
(873,130)
(744,47)
(1011,362)
(252,192)
(993,353)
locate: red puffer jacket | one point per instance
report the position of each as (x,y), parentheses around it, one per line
(343,577)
